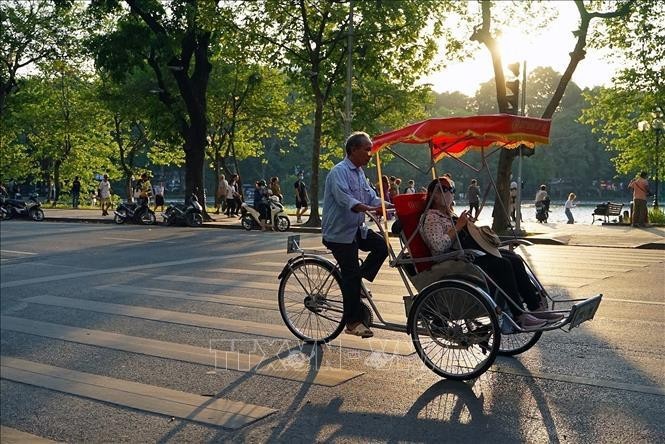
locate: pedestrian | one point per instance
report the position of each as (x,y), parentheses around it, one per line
(238,195)
(473,197)
(513,201)
(346,198)
(393,188)
(640,187)
(570,204)
(220,195)
(301,197)
(51,192)
(104,191)
(276,188)
(159,196)
(410,187)
(145,192)
(76,192)
(231,192)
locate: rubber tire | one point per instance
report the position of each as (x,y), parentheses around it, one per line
(150,220)
(282,223)
(247,222)
(194,220)
(37,214)
(467,292)
(327,269)
(120,219)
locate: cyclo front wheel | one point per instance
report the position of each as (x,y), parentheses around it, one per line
(516,343)
(455,330)
(310,300)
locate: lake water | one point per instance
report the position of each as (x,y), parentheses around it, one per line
(581,213)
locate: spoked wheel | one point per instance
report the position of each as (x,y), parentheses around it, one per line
(455,330)
(148,217)
(516,343)
(37,214)
(310,301)
(282,223)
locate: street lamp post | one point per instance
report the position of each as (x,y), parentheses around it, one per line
(657,125)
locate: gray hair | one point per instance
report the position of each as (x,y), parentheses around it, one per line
(354,140)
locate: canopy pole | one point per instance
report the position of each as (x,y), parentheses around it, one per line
(383,197)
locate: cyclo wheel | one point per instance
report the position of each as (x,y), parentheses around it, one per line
(516,343)
(310,300)
(455,330)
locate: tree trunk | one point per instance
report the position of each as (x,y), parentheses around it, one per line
(314,217)
(501,215)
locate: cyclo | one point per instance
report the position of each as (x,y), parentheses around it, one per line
(458,323)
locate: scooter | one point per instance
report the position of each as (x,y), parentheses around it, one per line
(190,214)
(543,211)
(139,213)
(249,218)
(32,208)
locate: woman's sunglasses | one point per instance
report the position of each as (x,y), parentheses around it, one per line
(451,190)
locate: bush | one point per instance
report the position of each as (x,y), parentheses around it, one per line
(656,216)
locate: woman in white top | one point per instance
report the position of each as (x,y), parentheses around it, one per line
(570,204)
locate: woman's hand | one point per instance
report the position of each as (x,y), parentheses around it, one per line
(462,221)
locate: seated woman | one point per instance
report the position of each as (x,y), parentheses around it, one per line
(506,268)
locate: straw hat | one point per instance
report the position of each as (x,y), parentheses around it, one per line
(485,238)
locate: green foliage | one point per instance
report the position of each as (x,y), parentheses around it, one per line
(656,216)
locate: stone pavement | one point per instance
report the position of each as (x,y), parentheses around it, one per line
(597,235)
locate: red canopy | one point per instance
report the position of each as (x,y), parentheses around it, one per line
(455,135)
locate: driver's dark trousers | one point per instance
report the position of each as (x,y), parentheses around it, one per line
(346,256)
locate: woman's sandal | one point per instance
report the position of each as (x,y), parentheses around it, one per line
(359,330)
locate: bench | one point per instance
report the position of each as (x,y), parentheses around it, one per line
(607,210)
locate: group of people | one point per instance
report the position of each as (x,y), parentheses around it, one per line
(229,196)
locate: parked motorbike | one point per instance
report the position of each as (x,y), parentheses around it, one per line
(190,214)
(32,208)
(543,211)
(138,213)
(278,218)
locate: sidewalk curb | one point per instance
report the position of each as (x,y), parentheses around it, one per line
(311,230)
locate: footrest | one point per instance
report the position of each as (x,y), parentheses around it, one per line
(583,311)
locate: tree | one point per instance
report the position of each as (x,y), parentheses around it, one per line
(484,35)
(33,31)
(614,112)
(394,42)
(173,40)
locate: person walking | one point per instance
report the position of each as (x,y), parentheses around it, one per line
(473,197)
(76,192)
(570,204)
(301,197)
(145,192)
(231,192)
(513,202)
(220,196)
(346,198)
(159,196)
(104,191)
(640,187)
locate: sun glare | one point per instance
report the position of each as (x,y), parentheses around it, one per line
(544,47)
